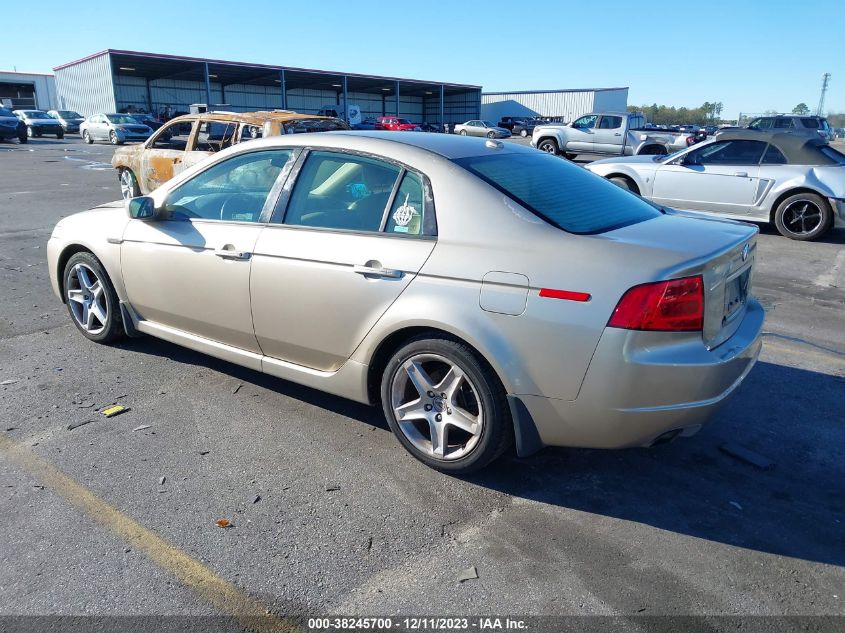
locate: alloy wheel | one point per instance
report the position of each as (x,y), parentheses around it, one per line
(802,217)
(87,299)
(127,184)
(436,406)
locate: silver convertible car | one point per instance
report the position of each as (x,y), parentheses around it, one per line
(483,294)
(792,181)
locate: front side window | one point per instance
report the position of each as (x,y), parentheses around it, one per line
(341,191)
(763,123)
(213,136)
(174,136)
(784,123)
(565,195)
(234,190)
(728,153)
(585,122)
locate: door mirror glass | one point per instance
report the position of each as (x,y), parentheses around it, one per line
(141,208)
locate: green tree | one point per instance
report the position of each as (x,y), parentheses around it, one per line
(801,108)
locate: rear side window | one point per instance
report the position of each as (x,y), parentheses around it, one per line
(565,195)
(811,123)
(761,124)
(773,156)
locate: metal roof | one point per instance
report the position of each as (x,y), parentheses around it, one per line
(532,92)
(161,64)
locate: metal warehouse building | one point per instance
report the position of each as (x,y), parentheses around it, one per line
(112,80)
(566,104)
(24,91)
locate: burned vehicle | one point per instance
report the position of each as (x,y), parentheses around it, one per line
(186,140)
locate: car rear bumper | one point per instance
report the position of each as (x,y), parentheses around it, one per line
(644,386)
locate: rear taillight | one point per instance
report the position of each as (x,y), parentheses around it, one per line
(676,305)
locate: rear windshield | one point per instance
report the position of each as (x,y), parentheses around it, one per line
(565,195)
(833,154)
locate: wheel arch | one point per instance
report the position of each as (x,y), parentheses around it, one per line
(630,180)
(642,151)
(550,137)
(69,251)
(792,192)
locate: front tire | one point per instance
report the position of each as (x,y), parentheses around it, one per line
(128,184)
(445,405)
(624,183)
(113,139)
(23,138)
(463,132)
(804,217)
(491,135)
(523,133)
(548,145)
(91,299)
(87,137)
(60,134)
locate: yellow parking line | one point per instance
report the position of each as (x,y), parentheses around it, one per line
(222,594)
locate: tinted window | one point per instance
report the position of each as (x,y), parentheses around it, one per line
(610,122)
(761,124)
(810,123)
(215,135)
(234,190)
(341,191)
(564,194)
(773,156)
(173,136)
(729,153)
(784,122)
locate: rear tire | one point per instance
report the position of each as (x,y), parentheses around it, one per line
(60,135)
(524,133)
(88,291)
(474,399)
(23,139)
(548,145)
(804,217)
(491,135)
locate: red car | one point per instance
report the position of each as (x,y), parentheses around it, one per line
(396,124)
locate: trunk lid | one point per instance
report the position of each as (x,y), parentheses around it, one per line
(722,252)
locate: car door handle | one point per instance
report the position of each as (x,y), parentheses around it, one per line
(741,174)
(231,253)
(377,271)
(617,134)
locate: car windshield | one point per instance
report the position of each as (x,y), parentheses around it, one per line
(34,114)
(6,112)
(69,114)
(565,195)
(121,119)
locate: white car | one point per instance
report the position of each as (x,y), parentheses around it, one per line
(39,123)
(796,182)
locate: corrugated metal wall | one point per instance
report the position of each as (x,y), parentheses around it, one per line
(86,86)
(569,105)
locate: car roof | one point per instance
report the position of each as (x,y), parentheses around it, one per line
(254,118)
(798,149)
(449,146)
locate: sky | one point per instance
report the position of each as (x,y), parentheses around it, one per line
(751,56)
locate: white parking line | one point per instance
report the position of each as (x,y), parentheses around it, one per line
(828,279)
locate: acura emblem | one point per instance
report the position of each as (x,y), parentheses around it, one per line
(745,250)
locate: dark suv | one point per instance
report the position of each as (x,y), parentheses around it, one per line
(795,124)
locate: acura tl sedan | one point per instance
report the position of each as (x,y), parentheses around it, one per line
(488,297)
(795,182)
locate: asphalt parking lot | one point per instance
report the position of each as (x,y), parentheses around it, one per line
(330,516)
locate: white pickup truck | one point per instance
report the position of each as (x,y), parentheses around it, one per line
(609,133)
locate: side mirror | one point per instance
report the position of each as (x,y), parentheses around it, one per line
(142,208)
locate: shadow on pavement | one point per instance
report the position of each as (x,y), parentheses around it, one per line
(792,416)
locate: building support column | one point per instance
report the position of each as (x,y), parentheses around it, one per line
(345,100)
(284,89)
(207,87)
(442,109)
(397,98)
(150,98)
